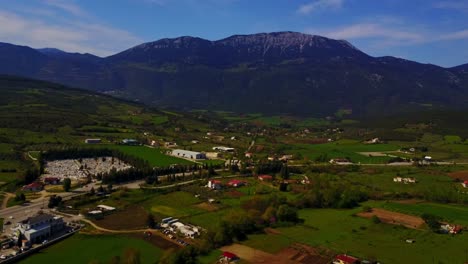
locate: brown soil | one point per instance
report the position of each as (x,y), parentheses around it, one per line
(132,217)
(295,254)
(394,218)
(157,241)
(207,206)
(460,175)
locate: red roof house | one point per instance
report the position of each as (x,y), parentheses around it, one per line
(229,256)
(265,177)
(236,183)
(465,184)
(33,187)
(345,259)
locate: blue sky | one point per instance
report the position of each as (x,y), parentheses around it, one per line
(428,31)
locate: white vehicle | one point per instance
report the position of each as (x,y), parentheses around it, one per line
(45,242)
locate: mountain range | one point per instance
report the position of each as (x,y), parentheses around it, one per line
(281,72)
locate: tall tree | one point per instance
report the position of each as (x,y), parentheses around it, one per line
(66,184)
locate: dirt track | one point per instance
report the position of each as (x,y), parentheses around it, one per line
(256,256)
(461,175)
(394,218)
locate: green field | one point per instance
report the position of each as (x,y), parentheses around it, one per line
(153,155)
(457,214)
(342,232)
(344,149)
(81,249)
(175,204)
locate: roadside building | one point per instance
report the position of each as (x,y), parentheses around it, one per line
(93,141)
(130,142)
(40,227)
(215,184)
(33,187)
(52,180)
(341,161)
(248,155)
(105,208)
(223,149)
(187,154)
(170,144)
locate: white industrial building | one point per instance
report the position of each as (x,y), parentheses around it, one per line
(40,227)
(187,154)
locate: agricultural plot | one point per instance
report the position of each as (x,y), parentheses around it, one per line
(457,214)
(153,155)
(175,204)
(342,232)
(81,249)
(345,149)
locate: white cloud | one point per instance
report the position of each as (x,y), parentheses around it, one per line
(373,30)
(457,35)
(454,5)
(320,5)
(68,6)
(74,36)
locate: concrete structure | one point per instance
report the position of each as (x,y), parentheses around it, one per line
(131,142)
(341,161)
(223,149)
(187,154)
(40,227)
(93,140)
(105,207)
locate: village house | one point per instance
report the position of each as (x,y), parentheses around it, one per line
(33,187)
(265,177)
(215,184)
(170,144)
(223,149)
(372,141)
(228,256)
(130,142)
(52,180)
(345,259)
(465,184)
(248,155)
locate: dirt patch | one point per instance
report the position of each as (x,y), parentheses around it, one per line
(132,217)
(295,254)
(272,231)
(207,206)
(459,175)
(394,218)
(156,240)
(255,256)
(409,201)
(234,194)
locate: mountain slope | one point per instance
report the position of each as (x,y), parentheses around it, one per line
(282,72)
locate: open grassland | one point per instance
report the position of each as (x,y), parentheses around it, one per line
(81,249)
(175,204)
(343,232)
(457,214)
(344,149)
(153,155)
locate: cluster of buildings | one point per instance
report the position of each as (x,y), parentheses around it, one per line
(175,226)
(218,185)
(450,229)
(404,180)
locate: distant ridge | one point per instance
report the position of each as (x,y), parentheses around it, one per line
(279,72)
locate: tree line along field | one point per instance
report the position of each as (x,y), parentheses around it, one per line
(81,249)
